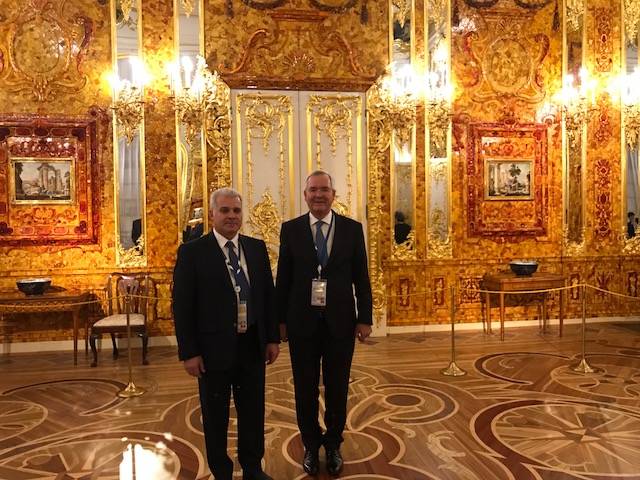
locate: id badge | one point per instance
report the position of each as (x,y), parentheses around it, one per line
(242,317)
(318,292)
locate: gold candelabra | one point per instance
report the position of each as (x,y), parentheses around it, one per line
(398,99)
(194,97)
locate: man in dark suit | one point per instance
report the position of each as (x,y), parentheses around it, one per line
(323,261)
(223,308)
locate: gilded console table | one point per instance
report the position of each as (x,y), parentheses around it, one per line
(509,282)
(14,302)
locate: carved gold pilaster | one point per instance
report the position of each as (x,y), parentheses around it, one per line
(379,140)
(217,126)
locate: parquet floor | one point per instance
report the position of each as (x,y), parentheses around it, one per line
(521,412)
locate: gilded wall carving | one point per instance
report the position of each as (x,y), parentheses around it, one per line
(218,134)
(43,47)
(302,45)
(379,141)
(508,64)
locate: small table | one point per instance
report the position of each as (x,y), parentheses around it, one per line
(15,302)
(509,282)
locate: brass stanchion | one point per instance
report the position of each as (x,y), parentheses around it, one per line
(130,390)
(453,370)
(583,366)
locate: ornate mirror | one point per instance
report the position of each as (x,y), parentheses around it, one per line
(128,81)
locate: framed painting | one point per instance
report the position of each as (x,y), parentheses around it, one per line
(508,179)
(50,180)
(34,181)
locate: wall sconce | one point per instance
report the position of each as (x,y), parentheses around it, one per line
(576,103)
(399,92)
(194,93)
(631,108)
(128,99)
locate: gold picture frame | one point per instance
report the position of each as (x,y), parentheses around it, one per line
(38,180)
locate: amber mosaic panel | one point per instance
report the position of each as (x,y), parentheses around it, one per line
(507,174)
(603,134)
(160,141)
(49,181)
(297,43)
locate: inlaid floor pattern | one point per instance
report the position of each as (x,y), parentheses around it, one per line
(520,413)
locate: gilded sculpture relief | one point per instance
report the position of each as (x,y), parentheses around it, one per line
(301,44)
(43,50)
(509,65)
(333,116)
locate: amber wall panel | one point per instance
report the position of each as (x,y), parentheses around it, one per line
(506,63)
(38,79)
(160,141)
(301,43)
(603,133)
(54,59)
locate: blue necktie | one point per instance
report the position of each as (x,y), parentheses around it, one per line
(238,273)
(321,245)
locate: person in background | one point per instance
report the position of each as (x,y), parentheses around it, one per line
(401,228)
(223,309)
(631,225)
(324,302)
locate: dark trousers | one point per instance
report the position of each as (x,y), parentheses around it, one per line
(308,354)
(246,378)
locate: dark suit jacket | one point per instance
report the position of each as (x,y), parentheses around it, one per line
(205,305)
(345,270)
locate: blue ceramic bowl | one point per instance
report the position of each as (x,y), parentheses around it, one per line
(524,268)
(33,286)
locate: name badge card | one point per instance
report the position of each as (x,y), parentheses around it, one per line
(318,292)
(242,317)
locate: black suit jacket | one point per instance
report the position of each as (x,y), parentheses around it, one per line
(205,304)
(346,272)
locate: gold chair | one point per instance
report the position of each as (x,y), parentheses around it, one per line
(141,309)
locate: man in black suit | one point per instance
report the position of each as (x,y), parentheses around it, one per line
(323,261)
(224,313)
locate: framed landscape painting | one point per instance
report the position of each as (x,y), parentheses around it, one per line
(42,181)
(509,179)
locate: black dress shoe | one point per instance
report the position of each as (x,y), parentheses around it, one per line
(256,476)
(310,462)
(334,461)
